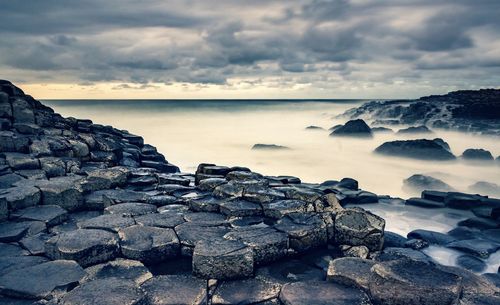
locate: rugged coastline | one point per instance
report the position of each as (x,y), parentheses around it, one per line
(92,215)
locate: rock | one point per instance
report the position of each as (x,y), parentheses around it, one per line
(109,291)
(313,127)
(291,270)
(7,250)
(267,244)
(21,161)
(419,183)
(392,239)
(494,278)
(108,222)
(471,283)
(40,280)
(100,200)
(424,203)
(357,227)
(416,244)
(414,130)
(479,299)
(350,271)
(211,219)
(382,129)
(269,147)
(35,244)
(321,293)
(471,263)
(174,289)
(11,263)
(483,187)
(353,128)
(395,254)
(86,246)
(479,223)
(148,244)
(305,230)
(100,179)
(261,194)
(431,237)
(204,204)
(228,190)
(119,268)
(130,209)
(222,259)
(477,154)
(418,149)
(240,208)
(278,209)
(354,251)
(211,183)
(8,180)
(477,247)
(412,282)
(190,233)
(50,214)
(161,166)
(14,231)
(62,192)
(161,220)
(434,195)
(21,197)
(249,291)
(456,200)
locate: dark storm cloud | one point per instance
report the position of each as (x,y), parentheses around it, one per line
(363,42)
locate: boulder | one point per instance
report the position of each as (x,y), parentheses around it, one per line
(477,154)
(353,128)
(321,293)
(419,183)
(357,227)
(119,268)
(222,259)
(350,271)
(417,149)
(148,244)
(392,239)
(86,246)
(174,289)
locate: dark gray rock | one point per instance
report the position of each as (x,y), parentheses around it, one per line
(434,195)
(205,204)
(396,254)
(100,179)
(11,263)
(161,220)
(61,191)
(292,270)
(40,280)
(357,227)
(228,190)
(392,239)
(130,209)
(21,197)
(212,219)
(249,291)
(86,246)
(471,263)
(190,233)
(35,244)
(7,250)
(109,291)
(353,128)
(100,200)
(424,203)
(472,283)
(477,154)
(50,214)
(211,183)
(419,183)
(240,208)
(174,289)
(413,282)
(222,259)
(269,147)
(431,237)
(119,268)
(305,231)
(108,222)
(21,161)
(488,188)
(278,209)
(477,247)
(479,299)
(418,149)
(261,194)
(321,293)
(8,180)
(350,271)
(148,244)
(14,231)
(415,130)
(479,223)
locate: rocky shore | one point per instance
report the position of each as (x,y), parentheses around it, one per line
(89,214)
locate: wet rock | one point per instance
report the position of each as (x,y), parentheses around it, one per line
(7,250)
(419,183)
(14,231)
(108,222)
(412,282)
(471,283)
(493,235)
(357,227)
(434,195)
(249,291)
(8,180)
(228,190)
(395,254)
(350,271)
(416,244)
(418,149)
(324,293)
(477,247)
(471,263)
(205,204)
(110,291)
(290,271)
(50,214)
(260,194)
(392,239)
(161,166)
(119,268)
(305,231)
(479,223)
(462,201)
(477,154)
(431,237)
(240,208)
(278,209)
(86,246)
(414,130)
(174,289)
(483,187)
(130,209)
(267,244)
(161,220)
(353,128)
(100,200)
(494,278)
(269,147)
(40,280)
(20,197)
(211,183)
(148,244)
(222,259)
(479,299)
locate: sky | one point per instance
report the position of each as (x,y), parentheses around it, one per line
(249,49)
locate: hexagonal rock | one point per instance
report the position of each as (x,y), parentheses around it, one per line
(213,219)
(35,244)
(321,293)
(357,227)
(22,161)
(108,222)
(86,246)
(249,291)
(205,204)
(350,271)
(267,244)
(280,208)
(119,268)
(50,214)
(11,263)
(130,209)
(222,259)
(21,197)
(240,208)
(161,220)
(101,179)
(61,192)
(260,194)
(174,289)
(109,291)
(148,244)
(305,231)
(100,200)
(228,190)
(190,233)
(211,183)
(14,231)
(411,282)
(40,280)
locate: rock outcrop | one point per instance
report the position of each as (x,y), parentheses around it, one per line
(422,149)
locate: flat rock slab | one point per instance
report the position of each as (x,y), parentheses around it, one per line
(35,244)
(108,222)
(431,237)
(249,291)
(161,220)
(321,293)
(213,219)
(61,191)
(20,197)
(110,291)
(149,244)
(7,250)
(240,208)
(86,246)
(290,271)
(174,290)
(130,209)
(350,271)
(11,263)
(40,280)
(477,247)
(205,204)
(100,200)
(222,259)
(119,268)
(357,227)
(280,208)
(190,233)
(412,282)
(50,214)
(425,203)
(14,231)
(305,231)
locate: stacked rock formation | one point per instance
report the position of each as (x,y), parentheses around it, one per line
(92,215)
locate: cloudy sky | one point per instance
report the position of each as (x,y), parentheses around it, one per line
(249,49)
